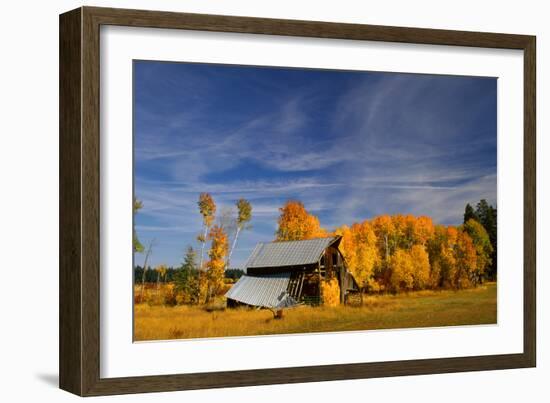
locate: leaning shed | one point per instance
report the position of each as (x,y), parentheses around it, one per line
(286,273)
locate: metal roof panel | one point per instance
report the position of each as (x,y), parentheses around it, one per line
(267,291)
(288,253)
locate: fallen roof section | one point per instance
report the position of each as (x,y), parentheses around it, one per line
(267,291)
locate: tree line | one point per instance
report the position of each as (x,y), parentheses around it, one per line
(403,252)
(153,274)
(388,253)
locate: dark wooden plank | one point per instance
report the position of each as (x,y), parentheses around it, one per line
(70,346)
(79,201)
(530,204)
(317,29)
(305,374)
(90,202)
(70,316)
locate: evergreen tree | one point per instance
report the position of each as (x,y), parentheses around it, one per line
(186,277)
(469,213)
(487,216)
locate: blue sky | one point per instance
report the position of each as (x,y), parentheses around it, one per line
(349,145)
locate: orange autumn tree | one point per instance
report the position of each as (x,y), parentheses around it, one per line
(442,257)
(410,269)
(385,233)
(421,266)
(401,234)
(408,237)
(466,260)
(453,258)
(423,230)
(347,246)
(404,231)
(484,249)
(401,269)
(215,266)
(399,252)
(295,223)
(359,248)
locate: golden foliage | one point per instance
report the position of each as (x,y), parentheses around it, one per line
(453,256)
(244,209)
(161,270)
(216,265)
(423,230)
(483,247)
(404,252)
(385,231)
(421,266)
(207,208)
(359,248)
(138,246)
(330,290)
(295,223)
(402,270)
(410,269)
(466,260)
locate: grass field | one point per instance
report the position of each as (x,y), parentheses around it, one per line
(417,309)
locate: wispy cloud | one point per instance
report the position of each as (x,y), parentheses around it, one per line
(350,145)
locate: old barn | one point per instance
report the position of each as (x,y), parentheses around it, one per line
(284,274)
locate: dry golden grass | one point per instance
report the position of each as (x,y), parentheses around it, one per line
(416,309)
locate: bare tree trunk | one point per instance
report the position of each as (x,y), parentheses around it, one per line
(202,247)
(232,247)
(149,249)
(201,262)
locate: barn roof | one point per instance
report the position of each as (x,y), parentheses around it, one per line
(267,291)
(288,253)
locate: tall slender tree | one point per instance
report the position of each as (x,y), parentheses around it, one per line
(161,270)
(469,214)
(138,247)
(147,254)
(244,215)
(207,208)
(215,266)
(384,229)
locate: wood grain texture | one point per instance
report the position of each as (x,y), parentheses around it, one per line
(90,202)
(530,202)
(70,273)
(80,196)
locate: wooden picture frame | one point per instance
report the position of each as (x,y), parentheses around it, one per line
(79,347)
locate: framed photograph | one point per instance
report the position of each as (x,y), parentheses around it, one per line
(248,201)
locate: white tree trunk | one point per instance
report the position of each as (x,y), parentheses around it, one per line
(145,268)
(202,247)
(232,247)
(201,262)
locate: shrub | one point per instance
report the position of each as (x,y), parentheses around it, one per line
(169,295)
(331,292)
